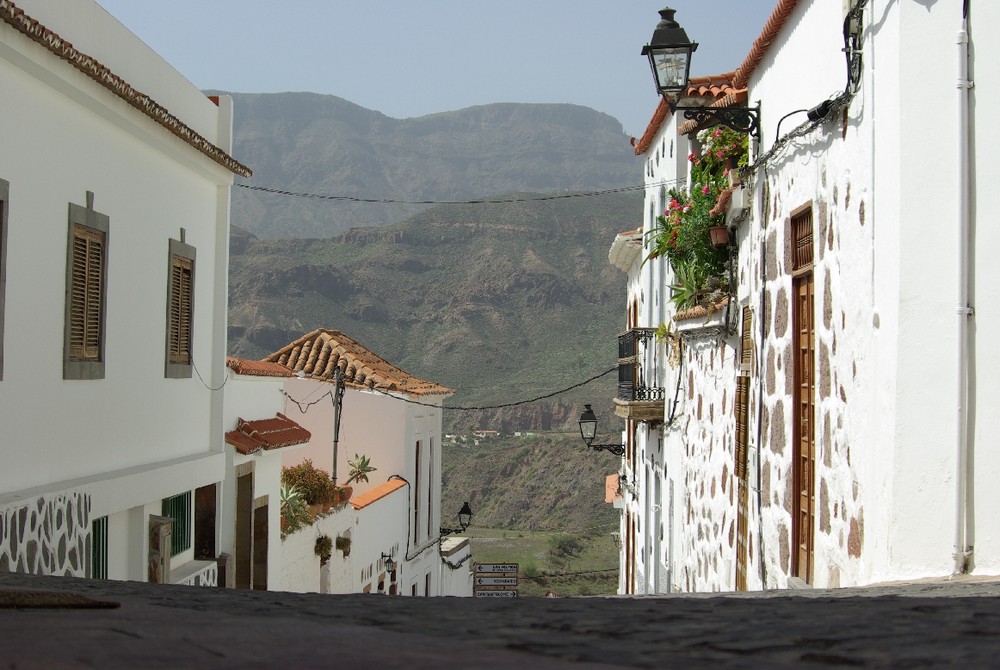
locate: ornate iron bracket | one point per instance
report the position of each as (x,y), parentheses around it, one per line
(616,449)
(740,119)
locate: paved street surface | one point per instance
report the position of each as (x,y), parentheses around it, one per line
(952,623)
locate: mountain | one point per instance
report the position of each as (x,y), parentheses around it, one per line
(325,145)
(500,302)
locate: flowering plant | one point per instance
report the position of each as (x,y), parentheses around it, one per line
(681,232)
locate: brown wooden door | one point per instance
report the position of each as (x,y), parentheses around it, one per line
(244,531)
(260,548)
(804,443)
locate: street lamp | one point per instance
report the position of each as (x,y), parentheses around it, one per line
(588,431)
(390,562)
(669,52)
(464,519)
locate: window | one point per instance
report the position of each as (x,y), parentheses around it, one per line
(99,548)
(180,309)
(86,292)
(178,508)
(4,192)
(416,496)
(802,239)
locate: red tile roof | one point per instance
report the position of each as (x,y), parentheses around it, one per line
(318,354)
(267,434)
(15,17)
(242,366)
(377,493)
(779,15)
(711,87)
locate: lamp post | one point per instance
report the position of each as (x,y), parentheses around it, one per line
(669,52)
(588,431)
(464,519)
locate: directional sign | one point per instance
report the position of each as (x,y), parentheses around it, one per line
(496,594)
(495,567)
(496,581)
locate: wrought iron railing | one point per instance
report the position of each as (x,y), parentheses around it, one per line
(633,379)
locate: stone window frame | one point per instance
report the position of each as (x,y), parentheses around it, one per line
(181,256)
(4,213)
(85,223)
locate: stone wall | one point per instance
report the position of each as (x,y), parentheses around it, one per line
(47,536)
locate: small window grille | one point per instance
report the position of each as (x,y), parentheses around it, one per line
(178,508)
(802,239)
(99,548)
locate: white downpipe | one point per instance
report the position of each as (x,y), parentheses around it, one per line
(962,551)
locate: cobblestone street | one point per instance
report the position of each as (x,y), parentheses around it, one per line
(932,624)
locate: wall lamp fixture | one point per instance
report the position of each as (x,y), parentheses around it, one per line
(588,431)
(464,519)
(669,52)
(390,562)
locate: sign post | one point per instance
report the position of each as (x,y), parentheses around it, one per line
(494,580)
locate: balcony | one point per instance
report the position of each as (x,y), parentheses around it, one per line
(639,398)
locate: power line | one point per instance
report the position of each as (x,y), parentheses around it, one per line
(479,201)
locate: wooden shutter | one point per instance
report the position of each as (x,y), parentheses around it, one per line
(802,239)
(180,309)
(746,341)
(742,397)
(86,294)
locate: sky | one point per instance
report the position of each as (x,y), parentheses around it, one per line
(408,58)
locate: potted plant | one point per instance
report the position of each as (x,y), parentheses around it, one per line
(719,236)
(315,485)
(360,467)
(294,512)
(344,545)
(324,548)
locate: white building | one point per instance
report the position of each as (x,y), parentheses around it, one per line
(114,200)
(394,419)
(833,427)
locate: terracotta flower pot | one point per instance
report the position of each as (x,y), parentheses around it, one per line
(719,235)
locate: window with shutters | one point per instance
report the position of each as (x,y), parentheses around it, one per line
(86,292)
(180,310)
(179,509)
(4,192)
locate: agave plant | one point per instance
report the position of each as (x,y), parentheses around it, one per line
(360,467)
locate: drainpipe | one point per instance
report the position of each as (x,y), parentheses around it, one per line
(963,550)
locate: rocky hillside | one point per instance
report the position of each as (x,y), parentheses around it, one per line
(500,302)
(323,144)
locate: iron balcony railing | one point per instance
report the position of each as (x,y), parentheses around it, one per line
(636,383)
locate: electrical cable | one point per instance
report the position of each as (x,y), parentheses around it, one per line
(475,201)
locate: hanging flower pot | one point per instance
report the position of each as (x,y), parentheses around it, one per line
(719,235)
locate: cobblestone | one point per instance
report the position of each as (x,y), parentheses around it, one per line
(948,623)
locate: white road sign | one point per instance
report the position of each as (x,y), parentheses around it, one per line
(496,594)
(495,567)
(496,581)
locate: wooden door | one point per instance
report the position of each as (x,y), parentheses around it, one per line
(804,442)
(244,531)
(260,526)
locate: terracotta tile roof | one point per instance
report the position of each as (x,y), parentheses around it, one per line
(377,493)
(779,15)
(712,87)
(266,434)
(612,489)
(318,354)
(15,17)
(242,366)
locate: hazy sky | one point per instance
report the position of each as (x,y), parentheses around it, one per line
(413,57)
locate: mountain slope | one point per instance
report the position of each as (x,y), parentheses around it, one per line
(322,144)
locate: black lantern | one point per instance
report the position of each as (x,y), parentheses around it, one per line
(669,52)
(588,431)
(464,519)
(390,563)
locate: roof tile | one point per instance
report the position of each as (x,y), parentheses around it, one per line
(266,434)
(377,493)
(242,366)
(318,355)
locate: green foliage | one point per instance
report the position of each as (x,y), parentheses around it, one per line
(312,483)
(360,468)
(564,547)
(681,232)
(324,547)
(294,513)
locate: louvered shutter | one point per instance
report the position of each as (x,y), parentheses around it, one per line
(180,310)
(86,294)
(742,396)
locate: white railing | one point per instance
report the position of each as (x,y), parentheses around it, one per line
(196,573)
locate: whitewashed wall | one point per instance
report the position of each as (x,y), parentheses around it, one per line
(132,438)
